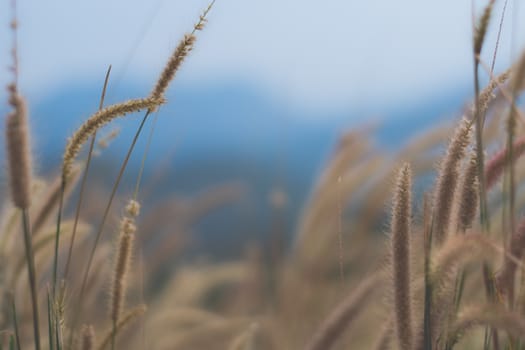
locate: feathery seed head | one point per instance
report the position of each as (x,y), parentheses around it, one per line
(177,58)
(127,226)
(400,240)
(448,178)
(174,63)
(18,150)
(481,28)
(98,120)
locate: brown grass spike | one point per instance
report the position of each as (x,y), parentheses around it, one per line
(448,179)
(400,240)
(18,151)
(122,261)
(98,120)
(468,198)
(177,58)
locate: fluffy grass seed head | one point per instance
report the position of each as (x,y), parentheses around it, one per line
(98,120)
(121,268)
(448,179)
(400,241)
(18,150)
(481,28)
(182,50)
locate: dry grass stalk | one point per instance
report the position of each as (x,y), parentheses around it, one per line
(468,196)
(88,338)
(245,340)
(496,165)
(50,202)
(98,120)
(120,271)
(343,314)
(494,316)
(400,230)
(506,276)
(385,337)
(18,150)
(128,317)
(448,179)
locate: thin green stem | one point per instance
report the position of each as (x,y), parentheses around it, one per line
(15,322)
(57,237)
(84,178)
(143,162)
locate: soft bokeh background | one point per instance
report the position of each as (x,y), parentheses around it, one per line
(261,100)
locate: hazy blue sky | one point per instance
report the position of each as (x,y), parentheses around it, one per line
(316,54)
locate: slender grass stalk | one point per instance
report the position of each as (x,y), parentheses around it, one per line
(84,178)
(479,36)
(12,342)
(57,236)
(157,94)
(50,321)
(123,322)
(427,311)
(15,323)
(32,276)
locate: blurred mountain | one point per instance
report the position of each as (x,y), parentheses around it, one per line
(209,134)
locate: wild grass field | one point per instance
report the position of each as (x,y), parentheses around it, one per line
(445,272)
